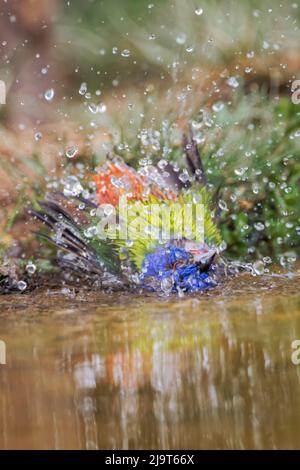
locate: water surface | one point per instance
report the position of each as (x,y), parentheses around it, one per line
(102,371)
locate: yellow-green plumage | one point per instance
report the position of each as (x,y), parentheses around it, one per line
(147,224)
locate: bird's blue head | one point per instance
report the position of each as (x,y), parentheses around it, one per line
(172,269)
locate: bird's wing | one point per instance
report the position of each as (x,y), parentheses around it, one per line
(66,227)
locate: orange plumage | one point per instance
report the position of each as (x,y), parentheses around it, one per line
(117,179)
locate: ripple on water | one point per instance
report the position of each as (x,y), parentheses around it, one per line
(100,370)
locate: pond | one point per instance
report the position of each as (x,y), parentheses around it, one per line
(103,371)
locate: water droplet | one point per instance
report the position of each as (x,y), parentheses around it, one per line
(117,182)
(196,124)
(259,226)
(240,171)
(199,138)
(167,284)
(72,186)
(22,285)
(65,291)
(83,89)
(181,38)
(102,108)
(125,53)
(49,94)
(218,106)
(291,257)
(162,164)
(190,49)
(93,108)
(199,11)
(223,246)
(38,136)
(232,82)
(258,268)
(91,232)
(108,209)
(31,268)
(71,151)
(180,292)
(184,176)
(222,205)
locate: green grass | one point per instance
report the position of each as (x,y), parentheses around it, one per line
(263,202)
(251,156)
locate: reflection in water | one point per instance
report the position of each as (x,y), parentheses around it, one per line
(103,371)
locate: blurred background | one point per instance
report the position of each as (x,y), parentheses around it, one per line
(130,44)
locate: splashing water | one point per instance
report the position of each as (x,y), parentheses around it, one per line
(49,94)
(71,151)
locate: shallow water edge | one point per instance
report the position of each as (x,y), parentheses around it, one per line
(95,370)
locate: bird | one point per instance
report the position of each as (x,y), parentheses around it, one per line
(153,254)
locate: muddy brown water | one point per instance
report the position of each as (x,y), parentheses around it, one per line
(117,371)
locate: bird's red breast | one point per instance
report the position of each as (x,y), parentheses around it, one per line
(117,179)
